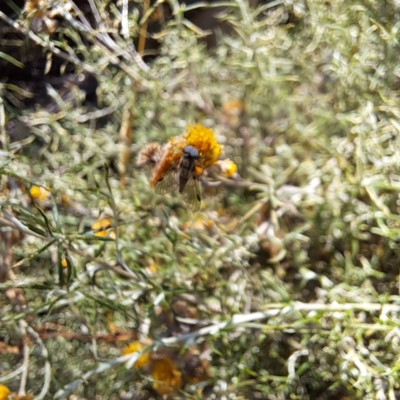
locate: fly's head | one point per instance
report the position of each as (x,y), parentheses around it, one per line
(191,152)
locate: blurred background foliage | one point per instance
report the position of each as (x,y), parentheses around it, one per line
(285,285)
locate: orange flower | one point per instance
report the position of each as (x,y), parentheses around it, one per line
(135,347)
(170,155)
(167,378)
(4,392)
(204,141)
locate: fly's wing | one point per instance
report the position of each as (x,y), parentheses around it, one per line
(192,193)
(168,183)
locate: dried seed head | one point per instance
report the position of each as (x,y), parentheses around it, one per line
(34,6)
(149,155)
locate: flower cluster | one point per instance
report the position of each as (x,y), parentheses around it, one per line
(164,158)
(169,369)
(167,378)
(205,142)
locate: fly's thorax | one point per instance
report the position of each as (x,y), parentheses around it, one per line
(187,168)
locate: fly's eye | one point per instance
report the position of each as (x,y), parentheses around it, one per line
(188,150)
(194,153)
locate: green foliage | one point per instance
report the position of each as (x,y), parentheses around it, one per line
(294,270)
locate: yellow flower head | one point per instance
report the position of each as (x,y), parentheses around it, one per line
(39,193)
(232,111)
(233,107)
(152,269)
(135,347)
(204,141)
(102,226)
(228,167)
(4,392)
(167,378)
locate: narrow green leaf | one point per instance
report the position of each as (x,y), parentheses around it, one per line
(11,60)
(60,266)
